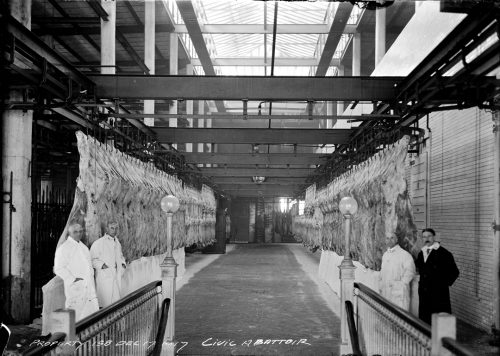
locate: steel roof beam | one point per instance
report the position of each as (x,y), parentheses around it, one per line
(249,158)
(337,28)
(249,181)
(251,172)
(252,61)
(246,87)
(60,30)
(251,135)
(190,19)
(260,29)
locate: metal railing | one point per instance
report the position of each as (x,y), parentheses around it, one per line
(455,348)
(353,332)
(385,329)
(127,327)
(161,329)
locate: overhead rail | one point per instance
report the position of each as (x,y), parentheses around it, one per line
(218,116)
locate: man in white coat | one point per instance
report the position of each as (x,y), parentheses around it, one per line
(396,274)
(72,263)
(109,263)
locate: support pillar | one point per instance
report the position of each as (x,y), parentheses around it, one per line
(380,31)
(356,54)
(189,108)
(201,123)
(16,217)
(340,104)
(208,124)
(149,53)
(496,209)
(108,36)
(174,70)
(220,228)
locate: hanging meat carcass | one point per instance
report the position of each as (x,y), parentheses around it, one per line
(115,186)
(380,189)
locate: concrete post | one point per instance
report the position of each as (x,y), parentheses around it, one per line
(356,54)
(168,276)
(108,36)
(340,104)
(149,53)
(189,108)
(380,31)
(347,270)
(208,124)
(63,321)
(201,123)
(16,228)
(174,70)
(443,325)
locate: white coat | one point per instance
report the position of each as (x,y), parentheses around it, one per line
(107,250)
(72,260)
(398,270)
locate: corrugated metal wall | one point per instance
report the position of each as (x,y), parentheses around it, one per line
(461,206)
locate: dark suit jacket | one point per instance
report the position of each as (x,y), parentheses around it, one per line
(436,276)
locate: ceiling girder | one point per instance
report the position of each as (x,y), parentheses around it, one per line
(249,158)
(251,135)
(60,30)
(264,191)
(337,28)
(261,29)
(251,172)
(249,181)
(244,87)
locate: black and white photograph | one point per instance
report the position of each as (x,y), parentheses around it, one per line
(250,177)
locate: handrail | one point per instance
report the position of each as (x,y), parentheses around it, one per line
(95,317)
(47,345)
(418,324)
(161,328)
(353,333)
(453,346)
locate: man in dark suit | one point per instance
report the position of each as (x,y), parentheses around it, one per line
(438,272)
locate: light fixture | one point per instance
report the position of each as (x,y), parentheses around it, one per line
(348,206)
(169,204)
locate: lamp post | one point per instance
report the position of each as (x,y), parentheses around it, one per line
(348,207)
(169,204)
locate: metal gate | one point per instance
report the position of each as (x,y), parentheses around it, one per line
(50,210)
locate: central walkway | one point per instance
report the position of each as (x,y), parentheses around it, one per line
(257,300)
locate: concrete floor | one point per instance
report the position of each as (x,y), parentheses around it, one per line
(257,300)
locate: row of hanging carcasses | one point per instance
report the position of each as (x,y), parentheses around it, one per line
(380,189)
(113,186)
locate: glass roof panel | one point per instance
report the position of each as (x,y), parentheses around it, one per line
(306,48)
